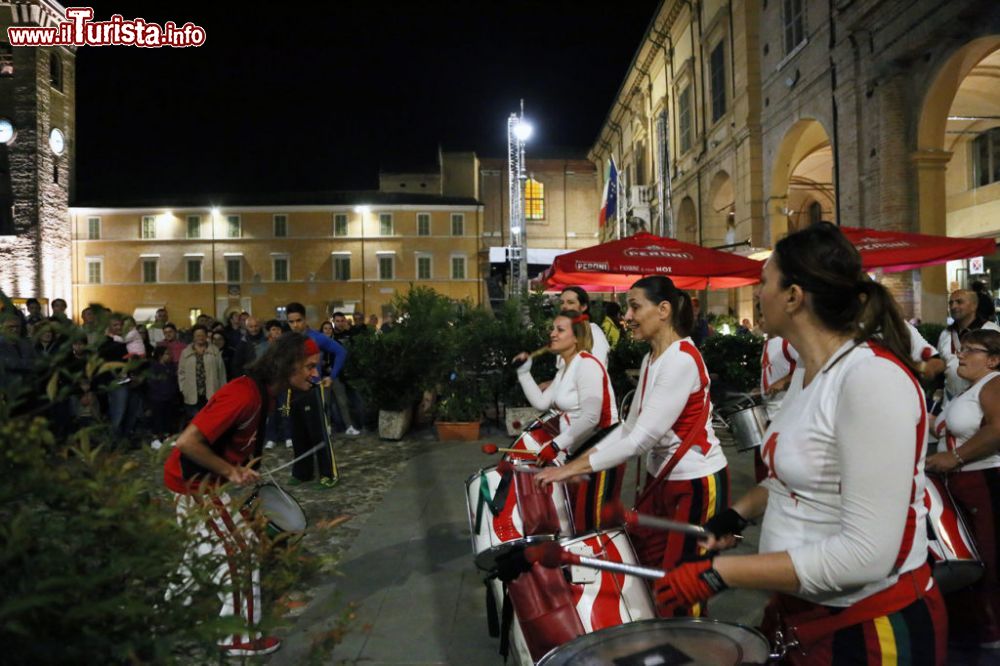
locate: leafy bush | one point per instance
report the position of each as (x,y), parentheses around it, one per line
(735,360)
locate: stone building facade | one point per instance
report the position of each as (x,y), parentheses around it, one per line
(873,113)
(684,130)
(37,99)
(870,111)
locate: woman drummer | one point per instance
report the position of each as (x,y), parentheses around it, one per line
(970,428)
(576,299)
(670,421)
(843,541)
(582,391)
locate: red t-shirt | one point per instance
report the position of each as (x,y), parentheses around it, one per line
(229,422)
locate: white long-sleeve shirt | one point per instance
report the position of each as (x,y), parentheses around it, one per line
(846,476)
(581,390)
(671,399)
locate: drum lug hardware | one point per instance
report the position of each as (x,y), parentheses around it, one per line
(781,647)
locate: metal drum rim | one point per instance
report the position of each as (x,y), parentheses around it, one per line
(630,627)
(489,555)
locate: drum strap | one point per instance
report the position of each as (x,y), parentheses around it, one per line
(807,629)
(679,453)
(506,621)
(496,503)
(492,617)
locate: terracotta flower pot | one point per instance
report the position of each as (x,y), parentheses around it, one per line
(457,430)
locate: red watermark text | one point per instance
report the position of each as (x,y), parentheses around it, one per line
(79,29)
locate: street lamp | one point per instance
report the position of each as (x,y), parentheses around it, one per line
(518,132)
(363,210)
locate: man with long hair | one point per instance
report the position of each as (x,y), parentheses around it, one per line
(219,446)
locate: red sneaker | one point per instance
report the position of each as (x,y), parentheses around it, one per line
(255,647)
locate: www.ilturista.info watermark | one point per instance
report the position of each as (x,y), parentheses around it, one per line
(79,30)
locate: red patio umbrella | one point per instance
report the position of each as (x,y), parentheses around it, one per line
(894,251)
(617,264)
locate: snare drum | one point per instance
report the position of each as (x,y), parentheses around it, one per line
(285,517)
(689,641)
(551,609)
(953,551)
(537,434)
(747,420)
(506,510)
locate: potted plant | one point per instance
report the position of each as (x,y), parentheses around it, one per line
(460,408)
(389,373)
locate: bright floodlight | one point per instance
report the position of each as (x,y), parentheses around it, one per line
(215,212)
(515,230)
(362,209)
(522,130)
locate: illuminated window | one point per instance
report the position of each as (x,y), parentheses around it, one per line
(148,229)
(193,315)
(534,200)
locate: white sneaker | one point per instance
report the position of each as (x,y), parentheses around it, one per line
(352,431)
(155,444)
(269,444)
(289,443)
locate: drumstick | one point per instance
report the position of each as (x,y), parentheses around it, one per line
(551,555)
(490,449)
(616,513)
(535,354)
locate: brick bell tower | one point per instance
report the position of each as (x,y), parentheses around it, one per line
(37,146)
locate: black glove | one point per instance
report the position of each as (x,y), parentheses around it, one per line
(511,565)
(727,522)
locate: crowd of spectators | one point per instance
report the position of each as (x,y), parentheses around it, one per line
(140,383)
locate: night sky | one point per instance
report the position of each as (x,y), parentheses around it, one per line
(319,97)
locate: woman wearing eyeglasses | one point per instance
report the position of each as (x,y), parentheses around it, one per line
(970,430)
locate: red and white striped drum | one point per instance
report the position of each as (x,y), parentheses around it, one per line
(953,551)
(550,610)
(537,434)
(507,510)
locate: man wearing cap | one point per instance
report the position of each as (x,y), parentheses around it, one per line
(220,446)
(309,425)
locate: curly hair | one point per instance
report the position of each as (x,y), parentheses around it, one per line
(280,360)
